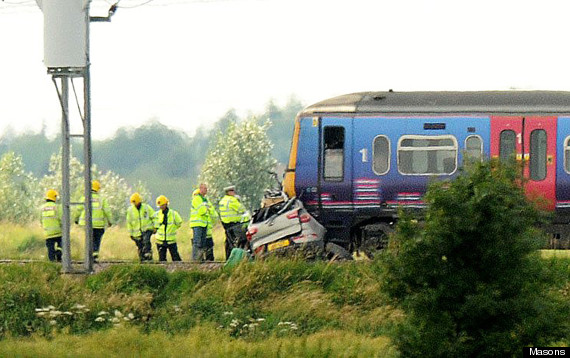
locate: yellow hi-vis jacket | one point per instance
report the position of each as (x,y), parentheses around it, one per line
(51,219)
(210,228)
(200,212)
(231,210)
(139,220)
(166,233)
(100,212)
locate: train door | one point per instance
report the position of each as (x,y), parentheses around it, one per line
(533,141)
(334,185)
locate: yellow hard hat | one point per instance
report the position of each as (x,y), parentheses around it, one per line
(136,198)
(95,185)
(51,195)
(161,200)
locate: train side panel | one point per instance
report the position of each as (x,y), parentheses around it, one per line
(563,170)
(397,157)
(348,172)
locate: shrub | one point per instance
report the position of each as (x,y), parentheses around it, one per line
(470,280)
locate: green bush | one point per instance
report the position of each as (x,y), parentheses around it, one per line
(470,279)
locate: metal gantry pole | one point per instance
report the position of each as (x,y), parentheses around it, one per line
(65,191)
(87,152)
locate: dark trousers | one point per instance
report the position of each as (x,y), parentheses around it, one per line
(163,247)
(97,236)
(144,247)
(202,246)
(54,248)
(235,234)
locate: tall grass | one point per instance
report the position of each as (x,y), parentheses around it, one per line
(272,308)
(203,341)
(27,242)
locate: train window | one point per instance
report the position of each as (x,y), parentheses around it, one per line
(427,155)
(567,155)
(333,153)
(537,165)
(474,147)
(507,144)
(381,155)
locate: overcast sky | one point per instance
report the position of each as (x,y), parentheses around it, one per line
(187,62)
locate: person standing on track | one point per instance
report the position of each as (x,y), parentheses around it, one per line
(141,226)
(100,216)
(166,222)
(232,214)
(200,219)
(51,223)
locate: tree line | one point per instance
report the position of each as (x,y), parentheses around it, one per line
(153,158)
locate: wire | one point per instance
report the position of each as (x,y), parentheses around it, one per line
(77,101)
(11,7)
(135,6)
(18,2)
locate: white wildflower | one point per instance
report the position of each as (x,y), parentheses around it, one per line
(234,323)
(131,316)
(118,314)
(260,319)
(227,313)
(68,313)
(102,313)
(99,319)
(55,313)
(53,322)
(115,320)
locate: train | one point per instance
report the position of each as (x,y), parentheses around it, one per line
(356,159)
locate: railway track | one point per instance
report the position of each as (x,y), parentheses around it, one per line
(77,267)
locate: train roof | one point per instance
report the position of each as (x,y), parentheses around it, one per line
(391,102)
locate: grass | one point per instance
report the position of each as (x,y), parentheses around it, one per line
(27,242)
(561,254)
(271,308)
(204,341)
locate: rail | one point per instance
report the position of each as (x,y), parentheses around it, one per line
(77,266)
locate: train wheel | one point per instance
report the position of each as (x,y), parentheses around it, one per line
(375,239)
(334,252)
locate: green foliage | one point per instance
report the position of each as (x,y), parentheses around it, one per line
(259,305)
(281,131)
(470,280)
(31,243)
(241,157)
(35,149)
(18,190)
(166,161)
(125,279)
(204,341)
(113,187)
(258,300)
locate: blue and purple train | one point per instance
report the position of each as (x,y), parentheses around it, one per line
(356,158)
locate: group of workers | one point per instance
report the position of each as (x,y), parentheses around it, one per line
(143,222)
